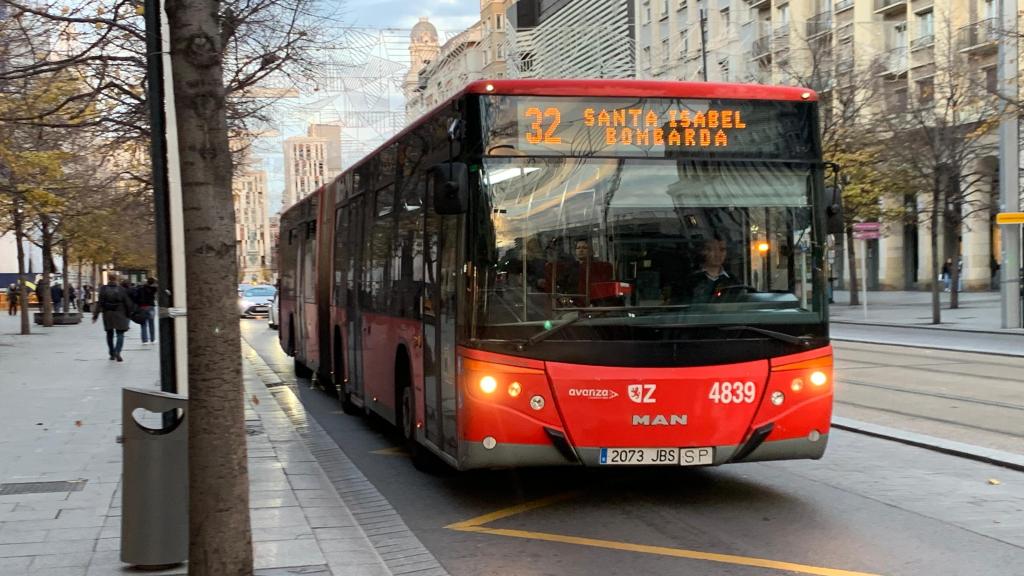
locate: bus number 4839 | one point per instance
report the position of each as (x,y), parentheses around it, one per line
(733,392)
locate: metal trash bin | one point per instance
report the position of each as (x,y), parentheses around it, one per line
(154,489)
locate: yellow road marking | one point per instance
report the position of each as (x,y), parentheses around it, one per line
(510,511)
(477,525)
(393,451)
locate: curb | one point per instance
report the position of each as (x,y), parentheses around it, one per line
(951,447)
(392,540)
(932,327)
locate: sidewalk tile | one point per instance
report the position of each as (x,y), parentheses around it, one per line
(61,560)
(285,553)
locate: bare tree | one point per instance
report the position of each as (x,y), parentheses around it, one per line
(846,91)
(940,137)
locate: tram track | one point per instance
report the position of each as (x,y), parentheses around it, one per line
(944,396)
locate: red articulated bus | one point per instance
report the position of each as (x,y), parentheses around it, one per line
(577,272)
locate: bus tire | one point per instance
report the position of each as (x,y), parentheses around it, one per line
(422,458)
(347,406)
(301,371)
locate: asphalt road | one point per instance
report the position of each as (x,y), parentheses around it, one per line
(869,507)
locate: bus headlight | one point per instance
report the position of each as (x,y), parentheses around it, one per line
(818,378)
(515,389)
(488,384)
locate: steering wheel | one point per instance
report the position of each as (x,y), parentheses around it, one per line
(733,290)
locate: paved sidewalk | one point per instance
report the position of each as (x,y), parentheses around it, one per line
(977,311)
(58,422)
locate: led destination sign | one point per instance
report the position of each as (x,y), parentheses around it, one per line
(655,127)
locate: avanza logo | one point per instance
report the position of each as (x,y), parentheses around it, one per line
(659,419)
(593,393)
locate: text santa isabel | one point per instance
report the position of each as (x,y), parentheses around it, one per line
(634,126)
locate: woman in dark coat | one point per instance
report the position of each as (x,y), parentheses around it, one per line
(116,307)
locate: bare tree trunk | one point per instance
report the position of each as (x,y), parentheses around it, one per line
(934,235)
(19,237)
(65,270)
(954,271)
(851,256)
(45,299)
(220,536)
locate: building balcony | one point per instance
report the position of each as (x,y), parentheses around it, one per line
(981,36)
(758,3)
(761,47)
(845,31)
(894,62)
(781,31)
(922,42)
(819,24)
(842,5)
(887,6)
(844,66)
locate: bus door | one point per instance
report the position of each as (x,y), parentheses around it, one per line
(306,294)
(353,317)
(441,279)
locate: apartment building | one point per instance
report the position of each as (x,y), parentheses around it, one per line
(571,39)
(906,50)
(252,226)
(310,161)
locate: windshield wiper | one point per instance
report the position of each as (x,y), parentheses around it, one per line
(595,312)
(788,338)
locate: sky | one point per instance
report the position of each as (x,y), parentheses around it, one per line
(453,15)
(448,16)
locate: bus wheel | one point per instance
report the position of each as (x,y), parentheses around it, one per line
(347,406)
(422,459)
(301,371)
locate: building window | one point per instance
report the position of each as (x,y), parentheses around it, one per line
(925,90)
(925,24)
(726,20)
(645,57)
(664,50)
(497,22)
(664,9)
(723,69)
(647,12)
(684,42)
(783,15)
(992,79)
(899,99)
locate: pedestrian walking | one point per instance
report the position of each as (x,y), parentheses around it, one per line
(88,298)
(947,273)
(146,299)
(116,307)
(12,299)
(56,295)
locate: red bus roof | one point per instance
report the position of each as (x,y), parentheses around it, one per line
(641,89)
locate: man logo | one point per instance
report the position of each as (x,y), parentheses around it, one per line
(641,393)
(659,420)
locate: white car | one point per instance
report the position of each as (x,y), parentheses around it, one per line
(275,311)
(255,301)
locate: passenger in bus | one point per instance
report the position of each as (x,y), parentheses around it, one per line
(711,281)
(577,278)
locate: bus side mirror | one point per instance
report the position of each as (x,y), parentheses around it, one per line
(834,211)
(451,188)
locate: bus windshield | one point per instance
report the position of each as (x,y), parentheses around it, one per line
(652,243)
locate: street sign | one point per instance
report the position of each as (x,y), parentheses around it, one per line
(867,227)
(1010,218)
(866,235)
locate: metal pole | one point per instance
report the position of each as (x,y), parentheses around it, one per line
(1009,166)
(158,159)
(864,274)
(704,44)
